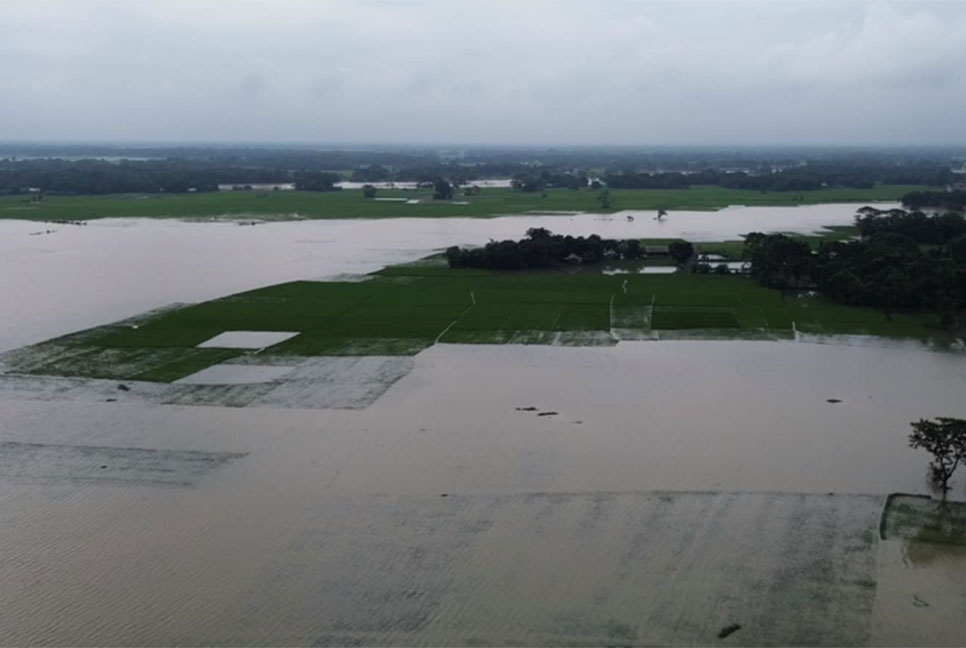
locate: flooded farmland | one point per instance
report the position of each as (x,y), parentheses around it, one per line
(645,493)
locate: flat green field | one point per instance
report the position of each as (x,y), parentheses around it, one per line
(351,204)
(403,309)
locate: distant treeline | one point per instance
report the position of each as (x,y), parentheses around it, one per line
(955,200)
(904,261)
(542,249)
(144,176)
(504,158)
(798,178)
(202,169)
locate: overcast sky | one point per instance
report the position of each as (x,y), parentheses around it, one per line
(714,72)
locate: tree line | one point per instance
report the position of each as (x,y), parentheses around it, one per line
(542,249)
(201,169)
(144,176)
(953,200)
(797,178)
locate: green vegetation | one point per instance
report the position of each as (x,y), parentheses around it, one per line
(404,309)
(735,250)
(921,519)
(945,440)
(543,249)
(908,261)
(351,204)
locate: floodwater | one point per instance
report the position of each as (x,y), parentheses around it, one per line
(247,339)
(55,278)
(647,493)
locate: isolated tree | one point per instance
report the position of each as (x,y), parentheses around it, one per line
(442,189)
(632,249)
(680,251)
(945,440)
(605,200)
(368,191)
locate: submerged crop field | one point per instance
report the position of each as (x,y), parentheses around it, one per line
(351,204)
(403,309)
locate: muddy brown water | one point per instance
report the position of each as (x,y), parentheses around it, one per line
(681,488)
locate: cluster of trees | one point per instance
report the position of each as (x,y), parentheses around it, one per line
(909,261)
(954,200)
(126,176)
(145,176)
(372,173)
(920,227)
(442,189)
(632,180)
(546,179)
(542,249)
(316,181)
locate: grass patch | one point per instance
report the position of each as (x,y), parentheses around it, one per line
(351,204)
(921,518)
(387,316)
(694,318)
(731,250)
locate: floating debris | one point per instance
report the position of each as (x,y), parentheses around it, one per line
(728,630)
(547,414)
(832,400)
(527,409)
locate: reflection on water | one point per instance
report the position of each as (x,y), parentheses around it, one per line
(918,553)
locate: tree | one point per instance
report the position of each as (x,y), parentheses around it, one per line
(945,440)
(605,201)
(368,191)
(680,251)
(779,261)
(442,189)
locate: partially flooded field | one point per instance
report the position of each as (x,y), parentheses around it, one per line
(522,495)
(64,278)
(683,492)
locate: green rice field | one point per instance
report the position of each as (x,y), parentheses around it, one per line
(404,309)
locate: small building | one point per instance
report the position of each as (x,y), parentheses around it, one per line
(656,250)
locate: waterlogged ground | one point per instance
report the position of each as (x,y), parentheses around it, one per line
(638,494)
(678,488)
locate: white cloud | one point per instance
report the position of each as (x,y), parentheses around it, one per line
(557,72)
